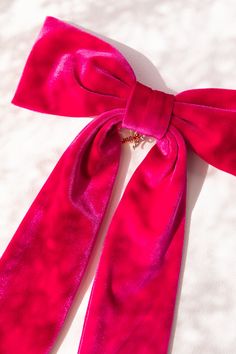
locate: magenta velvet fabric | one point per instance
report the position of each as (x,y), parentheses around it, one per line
(70,72)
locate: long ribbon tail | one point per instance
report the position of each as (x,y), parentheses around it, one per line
(133,297)
(43,265)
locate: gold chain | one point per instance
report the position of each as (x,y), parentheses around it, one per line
(135,138)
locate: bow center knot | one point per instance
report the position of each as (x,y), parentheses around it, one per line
(148,111)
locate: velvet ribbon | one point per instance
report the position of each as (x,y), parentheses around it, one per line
(70,72)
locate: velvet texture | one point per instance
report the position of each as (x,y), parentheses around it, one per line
(70,72)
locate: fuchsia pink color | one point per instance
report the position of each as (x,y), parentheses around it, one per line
(70,72)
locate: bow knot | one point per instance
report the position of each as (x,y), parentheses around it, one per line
(148,111)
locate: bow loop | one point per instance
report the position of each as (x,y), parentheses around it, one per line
(71,72)
(207,119)
(148,111)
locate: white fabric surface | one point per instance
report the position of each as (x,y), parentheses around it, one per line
(175,43)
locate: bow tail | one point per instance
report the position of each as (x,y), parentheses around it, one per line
(136,281)
(43,265)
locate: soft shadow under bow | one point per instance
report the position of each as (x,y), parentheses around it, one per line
(70,72)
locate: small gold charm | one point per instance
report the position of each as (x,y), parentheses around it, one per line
(135,138)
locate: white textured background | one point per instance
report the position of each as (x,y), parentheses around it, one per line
(176,43)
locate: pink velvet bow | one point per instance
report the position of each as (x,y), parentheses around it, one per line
(70,72)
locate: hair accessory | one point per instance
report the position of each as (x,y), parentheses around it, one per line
(70,72)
